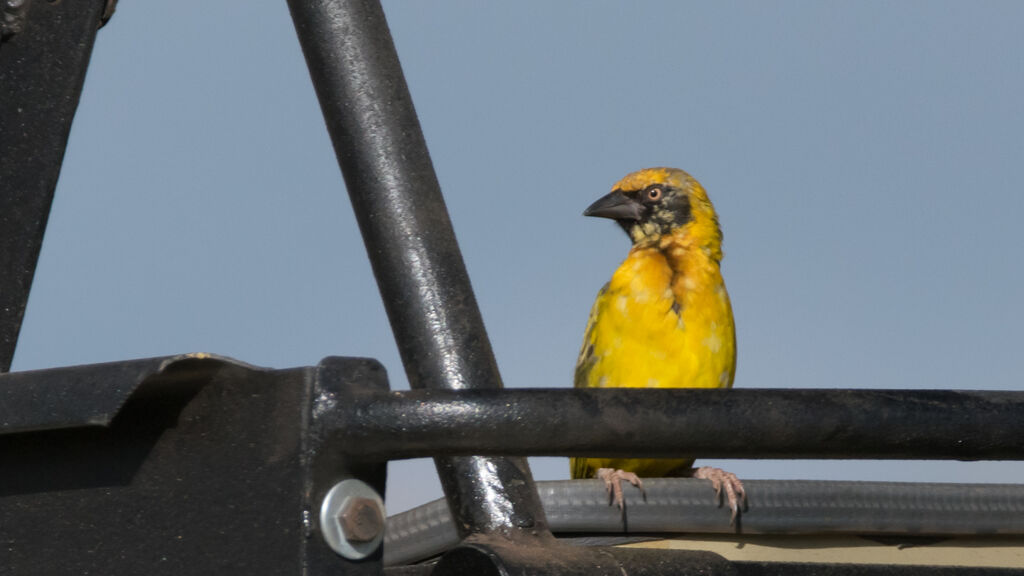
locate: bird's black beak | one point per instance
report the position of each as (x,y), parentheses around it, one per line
(616,206)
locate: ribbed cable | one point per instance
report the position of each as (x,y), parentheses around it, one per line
(676,505)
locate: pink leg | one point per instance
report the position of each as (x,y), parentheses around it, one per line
(720,479)
(613,485)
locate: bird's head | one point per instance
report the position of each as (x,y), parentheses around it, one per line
(652,203)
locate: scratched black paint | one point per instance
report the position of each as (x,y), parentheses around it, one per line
(409,238)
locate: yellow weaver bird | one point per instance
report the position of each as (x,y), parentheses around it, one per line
(664,320)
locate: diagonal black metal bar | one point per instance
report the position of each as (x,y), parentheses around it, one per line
(751,423)
(410,241)
(42,68)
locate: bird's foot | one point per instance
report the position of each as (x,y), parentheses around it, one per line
(727,482)
(613,485)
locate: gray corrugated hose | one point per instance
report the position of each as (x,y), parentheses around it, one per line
(676,505)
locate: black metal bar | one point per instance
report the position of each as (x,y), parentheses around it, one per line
(740,423)
(752,423)
(42,67)
(410,241)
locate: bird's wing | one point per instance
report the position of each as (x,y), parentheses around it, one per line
(585,361)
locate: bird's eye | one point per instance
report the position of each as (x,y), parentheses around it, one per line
(654,194)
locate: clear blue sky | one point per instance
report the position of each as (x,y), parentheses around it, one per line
(865,159)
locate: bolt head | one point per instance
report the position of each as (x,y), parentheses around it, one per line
(352,519)
(361,520)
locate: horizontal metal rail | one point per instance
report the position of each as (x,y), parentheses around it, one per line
(758,423)
(685,505)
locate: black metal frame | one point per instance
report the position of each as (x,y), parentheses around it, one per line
(411,244)
(42,69)
(177,465)
(213,464)
(202,447)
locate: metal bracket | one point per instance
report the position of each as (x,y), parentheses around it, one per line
(193,463)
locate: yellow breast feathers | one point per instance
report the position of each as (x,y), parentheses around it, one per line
(664,319)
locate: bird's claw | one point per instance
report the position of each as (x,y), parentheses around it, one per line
(613,485)
(727,482)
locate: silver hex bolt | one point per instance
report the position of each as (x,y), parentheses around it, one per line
(352,519)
